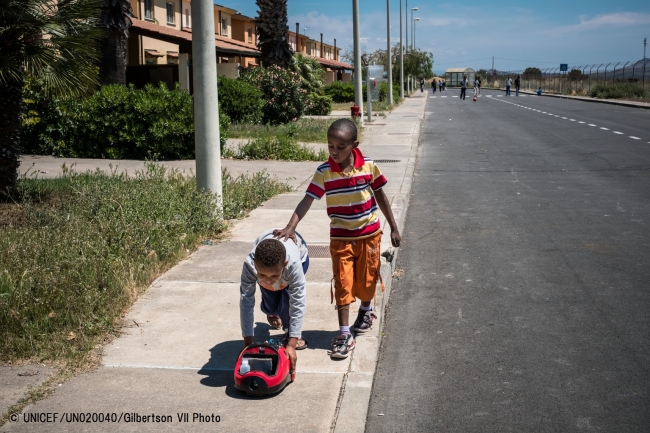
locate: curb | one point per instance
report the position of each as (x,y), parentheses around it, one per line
(631,104)
(354,399)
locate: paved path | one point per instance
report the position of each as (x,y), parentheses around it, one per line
(182,336)
(523,305)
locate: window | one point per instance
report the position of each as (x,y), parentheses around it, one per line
(170,13)
(224,26)
(187,18)
(250,35)
(148,10)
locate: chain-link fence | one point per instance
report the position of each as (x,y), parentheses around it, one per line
(577,80)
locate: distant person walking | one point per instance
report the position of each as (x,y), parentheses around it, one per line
(440,85)
(433,85)
(422,84)
(479,86)
(517,85)
(475,87)
(508,84)
(444,85)
(463,87)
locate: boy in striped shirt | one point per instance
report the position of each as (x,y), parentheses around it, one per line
(353,186)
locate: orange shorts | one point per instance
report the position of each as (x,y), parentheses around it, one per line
(356,268)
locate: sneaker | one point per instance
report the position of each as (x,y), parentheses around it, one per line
(342,346)
(364,321)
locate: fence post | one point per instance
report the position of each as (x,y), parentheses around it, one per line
(582,79)
(614,79)
(606,72)
(644,74)
(623,70)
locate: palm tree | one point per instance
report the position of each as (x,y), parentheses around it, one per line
(272,33)
(52,40)
(116,17)
(310,71)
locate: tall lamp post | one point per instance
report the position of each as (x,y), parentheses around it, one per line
(401,55)
(414,46)
(358,85)
(412,10)
(390,61)
(206,108)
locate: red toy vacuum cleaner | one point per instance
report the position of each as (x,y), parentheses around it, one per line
(262,368)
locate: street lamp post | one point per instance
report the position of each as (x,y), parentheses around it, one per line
(401,54)
(390,62)
(358,85)
(414,46)
(206,107)
(412,9)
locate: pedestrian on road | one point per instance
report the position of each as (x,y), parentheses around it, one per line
(508,84)
(479,86)
(476,87)
(440,84)
(444,85)
(433,85)
(279,268)
(421,84)
(517,85)
(539,92)
(463,87)
(353,186)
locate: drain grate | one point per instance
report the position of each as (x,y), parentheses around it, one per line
(385,161)
(319,251)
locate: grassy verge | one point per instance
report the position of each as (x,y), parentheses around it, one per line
(304,130)
(76,251)
(275,148)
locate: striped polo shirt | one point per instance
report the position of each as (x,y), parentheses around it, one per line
(351,203)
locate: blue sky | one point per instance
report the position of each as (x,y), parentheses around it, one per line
(469,33)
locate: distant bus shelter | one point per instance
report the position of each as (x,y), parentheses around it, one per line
(454,76)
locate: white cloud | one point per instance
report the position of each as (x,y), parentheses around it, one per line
(621,19)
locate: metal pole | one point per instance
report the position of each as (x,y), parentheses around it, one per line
(606,72)
(633,68)
(401,54)
(206,107)
(597,73)
(368,94)
(614,79)
(592,67)
(358,83)
(390,61)
(624,69)
(644,73)
(407,25)
(414,22)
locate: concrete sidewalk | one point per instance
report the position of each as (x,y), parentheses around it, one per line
(182,336)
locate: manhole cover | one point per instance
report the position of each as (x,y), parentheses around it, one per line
(319,251)
(386,161)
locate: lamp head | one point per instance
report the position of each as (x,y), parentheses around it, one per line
(414,9)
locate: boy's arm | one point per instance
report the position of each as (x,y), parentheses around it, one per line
(382,201)
(290,230)
(247,300)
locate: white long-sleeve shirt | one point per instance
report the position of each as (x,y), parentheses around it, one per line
(292,279)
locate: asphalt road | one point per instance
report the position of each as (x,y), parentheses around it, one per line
(524,304)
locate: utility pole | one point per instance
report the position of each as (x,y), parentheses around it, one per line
(206,107)
(358,83)
(401,54)
(390,60)
(407,25)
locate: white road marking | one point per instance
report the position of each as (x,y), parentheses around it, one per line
(573,120)
(431,97)
(591,124)
(556,115)
(580,121)
(616,132)
(634,138)
(454,96)
(604,129)
(564,118)
(443,96)
(543,112)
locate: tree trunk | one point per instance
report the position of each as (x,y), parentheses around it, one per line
(10,122)
(113,65)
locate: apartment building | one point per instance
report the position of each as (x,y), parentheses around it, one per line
(328,55)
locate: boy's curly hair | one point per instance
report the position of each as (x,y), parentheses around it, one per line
(270,252)
(345,125)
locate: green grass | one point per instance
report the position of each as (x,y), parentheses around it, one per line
(304,130)
(76,251)
(276,148)
(619,90)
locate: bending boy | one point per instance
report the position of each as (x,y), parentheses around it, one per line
(353,186)
(279,268)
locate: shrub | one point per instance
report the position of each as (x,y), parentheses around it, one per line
(241,101)
(383,92)
(310,71)
(286,101)
(318,105)
(116,122)
(617,90)
(340,91)
(279,147)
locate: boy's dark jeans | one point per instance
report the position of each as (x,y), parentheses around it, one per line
(462,92)
(277,303)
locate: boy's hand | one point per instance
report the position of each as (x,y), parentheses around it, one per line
(248,341)
(395,238)
(286,233)
(290,350)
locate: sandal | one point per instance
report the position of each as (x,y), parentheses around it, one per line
(300,345)
(274,321)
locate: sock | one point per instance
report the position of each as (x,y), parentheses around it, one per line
(368,308)
(345,330)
